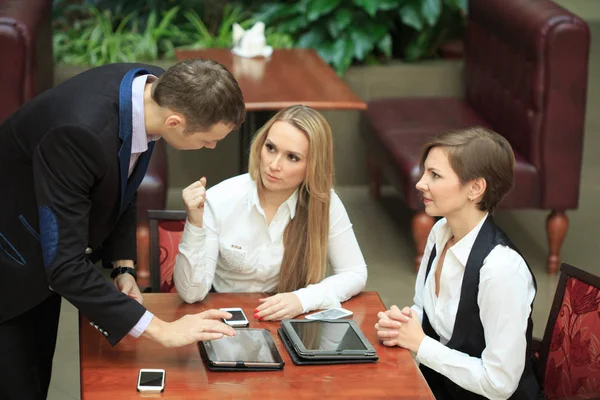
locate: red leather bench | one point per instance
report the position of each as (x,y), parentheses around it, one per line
(526,68)
(26,52)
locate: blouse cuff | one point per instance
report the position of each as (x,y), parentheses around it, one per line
(193,233)
(305,299)
(313,300)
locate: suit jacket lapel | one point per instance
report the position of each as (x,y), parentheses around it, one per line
(125,130)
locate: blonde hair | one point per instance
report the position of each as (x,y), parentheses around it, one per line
(305,239)
(478,153)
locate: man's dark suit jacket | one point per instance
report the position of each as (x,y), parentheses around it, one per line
(64,158)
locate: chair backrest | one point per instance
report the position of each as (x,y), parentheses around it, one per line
(166,229)
(570,350)
(526,73)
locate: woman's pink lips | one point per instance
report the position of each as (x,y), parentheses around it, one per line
(272,178)
(426,200)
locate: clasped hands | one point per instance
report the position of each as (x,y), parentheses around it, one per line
(400,328)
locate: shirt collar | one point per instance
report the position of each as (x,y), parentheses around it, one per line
(140,138)
(462,248)
(291,202)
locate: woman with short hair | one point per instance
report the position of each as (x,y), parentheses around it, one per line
(470,325)
(275,228)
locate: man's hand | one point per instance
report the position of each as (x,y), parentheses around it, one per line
(278,307)
(126,284)
(194,197)
(190,329)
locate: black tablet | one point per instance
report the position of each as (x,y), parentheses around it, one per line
(249,349)
(328,338)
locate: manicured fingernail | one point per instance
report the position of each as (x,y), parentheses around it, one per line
(255,316)
(255,310)
(260,319)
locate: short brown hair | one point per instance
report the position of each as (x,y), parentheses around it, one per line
(203,91)
(478,153)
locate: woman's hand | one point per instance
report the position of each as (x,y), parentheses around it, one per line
(278,307)
(194,197)
(400,328)
(387,329)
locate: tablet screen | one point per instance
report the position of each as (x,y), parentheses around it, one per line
(327,336)
(248,345)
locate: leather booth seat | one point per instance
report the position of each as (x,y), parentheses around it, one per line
(26,52)
(526,65)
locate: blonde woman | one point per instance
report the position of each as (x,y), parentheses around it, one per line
(274,229)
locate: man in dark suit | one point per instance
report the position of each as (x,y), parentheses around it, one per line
(70,164)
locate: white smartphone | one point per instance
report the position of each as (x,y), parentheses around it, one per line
(151,381)
(332,313)
(238,318)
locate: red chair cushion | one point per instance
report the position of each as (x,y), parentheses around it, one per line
(169,236)
(573,366)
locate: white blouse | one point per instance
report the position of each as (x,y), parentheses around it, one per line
(237,251)
(506,293)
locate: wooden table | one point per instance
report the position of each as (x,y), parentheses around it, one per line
(111,373)
(288,77)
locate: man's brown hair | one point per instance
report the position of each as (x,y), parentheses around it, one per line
(203,91)
(478,153)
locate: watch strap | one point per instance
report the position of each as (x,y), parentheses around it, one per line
(123,270)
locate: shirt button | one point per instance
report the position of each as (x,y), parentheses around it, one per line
(88,251)
(105,333)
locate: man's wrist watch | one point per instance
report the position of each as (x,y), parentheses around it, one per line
(123,270)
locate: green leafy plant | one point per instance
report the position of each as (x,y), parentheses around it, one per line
(201,37)
(93,32)
(366,31)
(159,37)
(426,24)
(340,31)
(95,40)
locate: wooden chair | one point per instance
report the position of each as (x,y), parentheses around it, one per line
(166,229)
(569,353)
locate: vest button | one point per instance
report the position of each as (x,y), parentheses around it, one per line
(88,251)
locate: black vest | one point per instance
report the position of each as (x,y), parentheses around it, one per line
(467,335)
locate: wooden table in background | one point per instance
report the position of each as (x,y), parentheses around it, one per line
(111,373)
(288,77)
